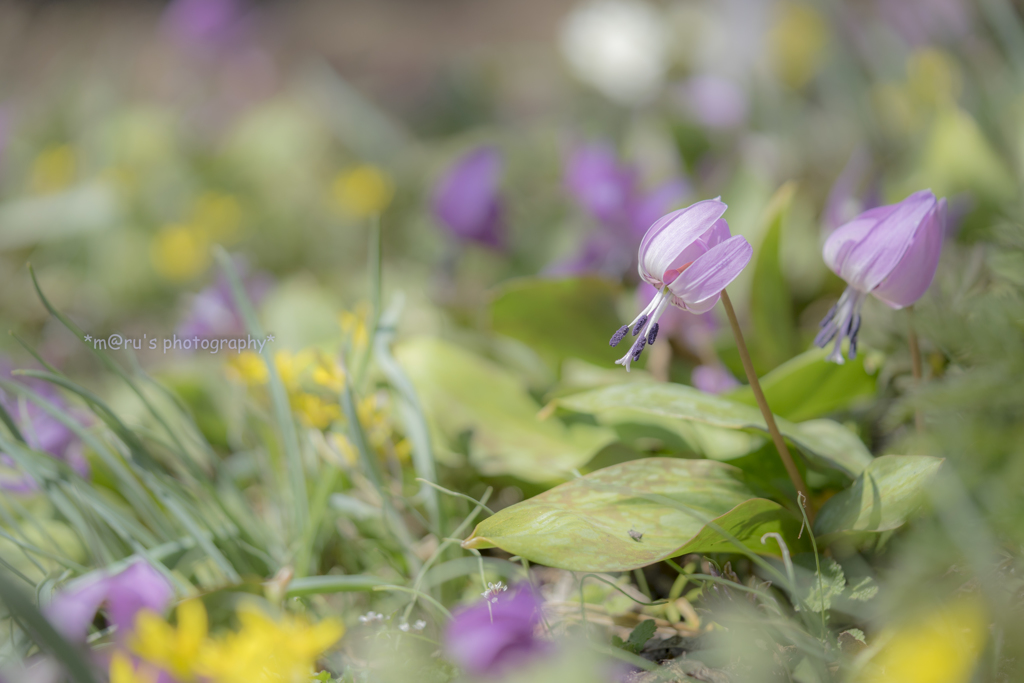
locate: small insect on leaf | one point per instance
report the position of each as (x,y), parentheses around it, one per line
(635,535)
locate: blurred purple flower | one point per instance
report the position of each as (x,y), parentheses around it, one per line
(610,192)
(891,252)
(138,587)
(713,379)
(849,196)
(713,102)
(202,22)
(467,198)
(42,431)
(490,637)
(689,256)
(921,22)
(213,314)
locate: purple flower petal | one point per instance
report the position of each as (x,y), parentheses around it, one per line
(598,183)
(714,102)
(711,273)
(866,250)
(489,641)
(914,273)
(72,611)
(646,209)
(713,379)
(466,200)
(138,587)
(669,243)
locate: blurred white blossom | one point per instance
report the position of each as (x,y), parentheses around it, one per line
(619,47)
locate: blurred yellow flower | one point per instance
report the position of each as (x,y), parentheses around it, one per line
(175,650)
(797,42)
(344,447)
(263,649)
(122,670)
(180,252)
(248,367)
(291,367)
(941,646)
(328,373)
(362,191)
(933,77)
(353,325)
(219,215)
(314,410)
(53,170)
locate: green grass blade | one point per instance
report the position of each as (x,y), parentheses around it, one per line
(279,399)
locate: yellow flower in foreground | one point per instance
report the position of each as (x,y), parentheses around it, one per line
(362,191)
(53,170)
(180,252)
(941,646)
(263,649)
(175,650)
(122,670)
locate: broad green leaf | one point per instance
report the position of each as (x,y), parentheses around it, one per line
(634,514)
(806,386)
(559,318)
(771,308)
(885,494)
(462,392)
(824,442)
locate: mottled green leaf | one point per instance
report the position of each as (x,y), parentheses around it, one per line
(824,442)
(817,592)
(771,307)
(634,514)
(889,491)
(559,318)
(462,392)
(806,386)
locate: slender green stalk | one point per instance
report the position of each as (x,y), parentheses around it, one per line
(762,403)
(915,360)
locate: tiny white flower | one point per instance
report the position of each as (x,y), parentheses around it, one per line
(404,627)
(419,625)
(371,617)
(491,594)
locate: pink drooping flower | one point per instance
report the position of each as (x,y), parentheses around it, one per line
(138,587)
(610,191)
(689,256)
(891,252)
(497,634)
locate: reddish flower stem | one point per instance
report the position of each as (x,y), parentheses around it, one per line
(769,418)
(915,360)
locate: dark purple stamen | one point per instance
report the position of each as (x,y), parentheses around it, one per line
(853,336)
(639,325)
(828,316)
(653,334)
(617,337)
(638,348)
